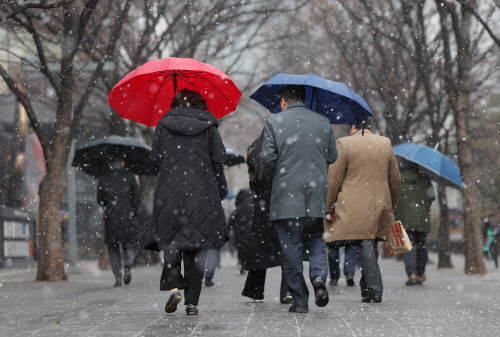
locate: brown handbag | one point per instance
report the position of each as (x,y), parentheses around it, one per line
(398,242)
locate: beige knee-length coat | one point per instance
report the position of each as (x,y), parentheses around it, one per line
(363,188)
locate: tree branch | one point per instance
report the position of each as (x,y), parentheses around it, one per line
(25,101)
(33,5)
(115,35)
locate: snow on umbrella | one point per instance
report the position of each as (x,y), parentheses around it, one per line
(233,156)
(331,99)
(433,163)
(94,157)
(145,94)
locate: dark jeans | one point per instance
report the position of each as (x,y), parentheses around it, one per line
(194,268)
(349,261)
(212,262)
(293,234)
(130,250)
(371,278)
(416,265)
(256,280)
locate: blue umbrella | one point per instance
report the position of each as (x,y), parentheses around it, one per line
(331,99)
(433,163)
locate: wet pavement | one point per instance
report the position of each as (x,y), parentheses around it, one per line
(447,304)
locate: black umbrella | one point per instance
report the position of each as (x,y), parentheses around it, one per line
(94,157)
(233,156)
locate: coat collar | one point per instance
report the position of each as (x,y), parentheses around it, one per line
(296,104)
(360,132)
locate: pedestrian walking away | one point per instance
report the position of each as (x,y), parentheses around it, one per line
(241,223)
(187,218)
(298,146)
(363,191)
(350,248)
(119,194)
(414,212)
(263,248)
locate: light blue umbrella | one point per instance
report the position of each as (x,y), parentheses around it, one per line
(433,163)
(331,99)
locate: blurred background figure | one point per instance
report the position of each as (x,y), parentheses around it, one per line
(414,212)
(241,223)
(491,237)
(119,194)
(262,249)
(349,261)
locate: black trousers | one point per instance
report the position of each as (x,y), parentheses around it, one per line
(416,265)
(256,280)
(194,268)
(130,250)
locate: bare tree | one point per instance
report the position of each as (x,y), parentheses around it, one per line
(456,26)
(57,29)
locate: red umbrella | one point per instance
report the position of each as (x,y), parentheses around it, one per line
(144,95)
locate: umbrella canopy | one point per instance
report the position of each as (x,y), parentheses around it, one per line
(331,99)
(233,156)
(145,94)
(433,163)
(94,157)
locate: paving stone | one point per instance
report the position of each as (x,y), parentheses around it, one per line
(447,304)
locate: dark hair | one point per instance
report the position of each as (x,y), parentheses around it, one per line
(367,124)
(189,99)
(292,93)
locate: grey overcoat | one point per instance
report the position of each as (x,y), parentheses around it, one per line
(298,146)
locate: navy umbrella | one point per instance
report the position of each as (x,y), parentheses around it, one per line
(94,157)
(331,99)
(433,163)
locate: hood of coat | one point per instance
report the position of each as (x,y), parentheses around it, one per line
(188,122)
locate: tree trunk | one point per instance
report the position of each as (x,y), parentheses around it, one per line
(474,263)
(50,255)
(444,230)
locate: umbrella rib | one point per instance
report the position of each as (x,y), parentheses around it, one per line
(128,106)
(203,77)
(165,81)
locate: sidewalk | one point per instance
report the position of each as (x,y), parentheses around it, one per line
(448,304)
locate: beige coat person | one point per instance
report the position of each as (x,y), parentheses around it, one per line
(363,188)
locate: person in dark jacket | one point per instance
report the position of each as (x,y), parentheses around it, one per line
(241,223)
(119,194)
(298,146)
(263,247)
(414,212)
(189,155)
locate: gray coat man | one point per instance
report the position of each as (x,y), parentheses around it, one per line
(298,146)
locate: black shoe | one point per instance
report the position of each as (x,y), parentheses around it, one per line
(298,308)
(208,282)
(118,283)
(287,299)
(372,299)
(172,302)
(321,294)
(333,283)
(350,280)
(191,310)
(413,282)
(127,277)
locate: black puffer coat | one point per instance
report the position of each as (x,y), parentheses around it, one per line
(189,154)
(119,194)
(263,248)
